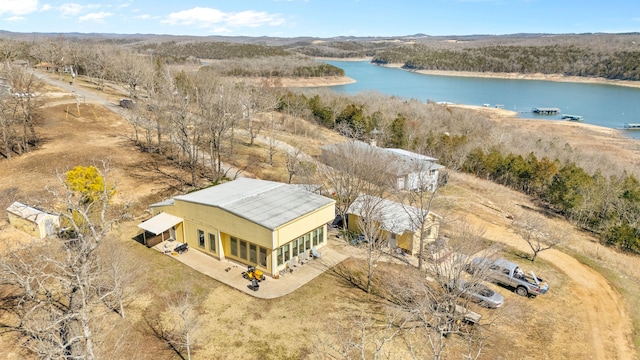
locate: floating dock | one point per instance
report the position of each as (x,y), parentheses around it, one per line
(572,117)
(545,111)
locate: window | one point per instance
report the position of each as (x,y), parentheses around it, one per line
(307,243)
(200,238)
(243,249)
(234,246)
(314,235)
(263,257)
(286,254)
(279,256)
(253,254)
(320,235)
(212,242)
(294,247)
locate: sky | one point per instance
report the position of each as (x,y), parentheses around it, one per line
(320,18)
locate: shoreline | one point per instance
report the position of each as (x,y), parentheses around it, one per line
(518,76)
(316,82)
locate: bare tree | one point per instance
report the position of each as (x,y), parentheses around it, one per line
(50,53)
(536,233)
(186,129)
(293,162)
(349,169)
(100,60)
(256,100)
(132,70)
(53,292)
(219,109)
(296,106)
(434,306)
(118,271)
(178,324)
(373,219)
(420,201)
(19,110)
(361,337)
(272,143)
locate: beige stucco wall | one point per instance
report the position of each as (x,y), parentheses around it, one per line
(212,218)
(27,226)
(303,225)
(408,241)
(223,224)
(36,229)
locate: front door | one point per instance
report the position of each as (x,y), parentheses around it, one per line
(393,241)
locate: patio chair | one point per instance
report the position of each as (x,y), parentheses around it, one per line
(304,257)
(315,253)
(255,285)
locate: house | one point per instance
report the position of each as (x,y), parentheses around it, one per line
(260,223)
(408,170)
(396,223)
(33,221)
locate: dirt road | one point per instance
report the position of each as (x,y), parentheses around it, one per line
(599,309)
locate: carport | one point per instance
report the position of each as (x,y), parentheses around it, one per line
(159,228)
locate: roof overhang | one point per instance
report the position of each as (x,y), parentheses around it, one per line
(160,223)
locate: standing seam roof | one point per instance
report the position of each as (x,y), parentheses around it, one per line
(267,203)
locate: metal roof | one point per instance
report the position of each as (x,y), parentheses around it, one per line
(408,162)
(267,203)
(402,161)
(160,223)
(28,212)
(393,216)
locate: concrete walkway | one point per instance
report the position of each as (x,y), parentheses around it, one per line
(229,272)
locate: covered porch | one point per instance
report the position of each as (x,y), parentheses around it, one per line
(160,228)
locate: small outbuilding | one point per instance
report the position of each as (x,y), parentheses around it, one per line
(398,224)
(33,221)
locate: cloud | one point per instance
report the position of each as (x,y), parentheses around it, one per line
(45,7)
(18,7)
(97,17)
(143,17)
(72,9)
(196,16)
(69,9)
(219,21)
(254,19)
(16,19)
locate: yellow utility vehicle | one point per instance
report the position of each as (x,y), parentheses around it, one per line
(253,274)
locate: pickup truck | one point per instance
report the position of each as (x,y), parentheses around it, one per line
(509,274)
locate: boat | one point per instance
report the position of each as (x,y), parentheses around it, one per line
(572,117)
(545,111)
(632,126)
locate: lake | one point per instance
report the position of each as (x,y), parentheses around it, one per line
(603,105)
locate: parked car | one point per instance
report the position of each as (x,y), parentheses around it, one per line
(510,274)
(127,103)
(480,294)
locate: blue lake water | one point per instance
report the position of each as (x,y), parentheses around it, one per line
(604,105)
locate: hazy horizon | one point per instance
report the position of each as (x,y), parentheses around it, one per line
(322,19)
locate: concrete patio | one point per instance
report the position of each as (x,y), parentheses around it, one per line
(229,272)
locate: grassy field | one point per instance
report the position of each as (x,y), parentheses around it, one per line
(329,312)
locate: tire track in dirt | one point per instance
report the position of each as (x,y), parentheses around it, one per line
(609,323)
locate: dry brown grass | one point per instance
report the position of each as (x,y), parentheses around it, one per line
(236,325)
